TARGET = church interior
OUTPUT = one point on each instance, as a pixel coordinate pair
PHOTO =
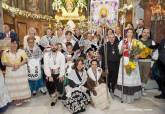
(66, 15)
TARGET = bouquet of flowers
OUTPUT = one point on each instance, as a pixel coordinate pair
(130, 67)
(138, 50)
(145, 53)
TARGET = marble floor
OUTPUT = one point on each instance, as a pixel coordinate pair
(41, 105)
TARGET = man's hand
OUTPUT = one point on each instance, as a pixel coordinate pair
(50, 79)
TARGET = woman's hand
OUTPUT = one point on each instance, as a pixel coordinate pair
(136, 56)
(16, 67)
(124, 46)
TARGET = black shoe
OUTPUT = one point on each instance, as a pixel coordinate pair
(59, 98)
(52, 104)
(160, 97)
(34, 93)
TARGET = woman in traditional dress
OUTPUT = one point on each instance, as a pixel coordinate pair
(97, 87)
(34, 66)
(16, 78)
(4, 96)
(131, 82)
(76, 98)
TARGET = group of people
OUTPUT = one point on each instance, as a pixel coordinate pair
(77, 68)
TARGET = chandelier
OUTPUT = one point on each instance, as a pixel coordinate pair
(158, 12)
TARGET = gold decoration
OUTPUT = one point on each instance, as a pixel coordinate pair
(158, 12)
(17, 11)
(69, 9)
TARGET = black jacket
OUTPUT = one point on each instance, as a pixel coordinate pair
(111, 58)
(13, 36)
(161, 50)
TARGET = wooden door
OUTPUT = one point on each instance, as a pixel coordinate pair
(22, 31)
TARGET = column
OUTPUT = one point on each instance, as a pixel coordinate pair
(1, 16)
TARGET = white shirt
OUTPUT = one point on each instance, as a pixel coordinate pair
(54, 61)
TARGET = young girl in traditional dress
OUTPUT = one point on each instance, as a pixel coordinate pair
(16, 78)
(76, 98)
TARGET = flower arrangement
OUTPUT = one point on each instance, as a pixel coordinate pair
(138, 50)
(130, 67)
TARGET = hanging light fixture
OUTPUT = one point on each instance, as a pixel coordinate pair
(158, 11)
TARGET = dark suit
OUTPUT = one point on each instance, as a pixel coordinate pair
(113, 60)
(13, 36)
(137, 35)
(118, 39)
(161, 65)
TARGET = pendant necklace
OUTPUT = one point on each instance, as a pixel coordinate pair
(113, 50)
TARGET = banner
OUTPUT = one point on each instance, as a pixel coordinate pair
(104, 12)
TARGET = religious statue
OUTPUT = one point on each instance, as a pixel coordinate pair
(104, 14)
(69, 5)
(69, 8)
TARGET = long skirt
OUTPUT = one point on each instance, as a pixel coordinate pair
(103, 98)
(131, 85)
(17, 84)
(77, 102)
(4, 96)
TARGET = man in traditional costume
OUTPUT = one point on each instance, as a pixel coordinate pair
(54, 68)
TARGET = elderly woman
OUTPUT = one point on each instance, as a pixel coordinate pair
(31, 33)
(16, 78)
(76, 98)
(34, 66)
